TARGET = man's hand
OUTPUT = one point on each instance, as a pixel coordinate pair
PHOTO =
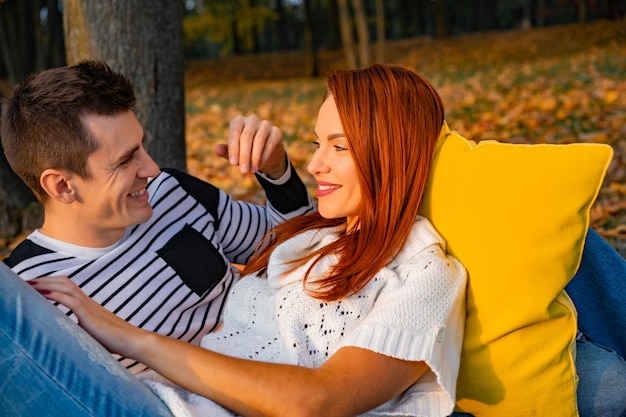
(255, 145)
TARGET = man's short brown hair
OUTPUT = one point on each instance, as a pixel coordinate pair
(42, 121)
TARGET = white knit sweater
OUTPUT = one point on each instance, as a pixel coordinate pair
(413, 310)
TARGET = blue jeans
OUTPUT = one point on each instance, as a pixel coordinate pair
(602, 381)
(51, 367)
(599, 293)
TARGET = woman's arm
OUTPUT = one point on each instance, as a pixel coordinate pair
(351, 382)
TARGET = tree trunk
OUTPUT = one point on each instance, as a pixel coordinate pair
(485, 14)
(345, 23)
(333, 35)
(526, 15)
(282, 40)
(442, 27)
(145, 43)
(363, 33)
(380, 31)
(582, 11)
(56, 54)
(424, 25)
(310, 48)
(17, 37)
(541, 9)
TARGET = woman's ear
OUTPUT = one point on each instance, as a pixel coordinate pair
(56, 183)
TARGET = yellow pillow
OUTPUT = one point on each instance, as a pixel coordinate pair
(516, 216)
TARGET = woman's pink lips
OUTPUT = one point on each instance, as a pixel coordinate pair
(328, 188)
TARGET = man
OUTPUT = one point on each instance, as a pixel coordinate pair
(153, 246)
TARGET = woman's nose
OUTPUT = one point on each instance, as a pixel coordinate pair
(316, 165)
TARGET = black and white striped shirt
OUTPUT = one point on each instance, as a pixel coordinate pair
(170, 274)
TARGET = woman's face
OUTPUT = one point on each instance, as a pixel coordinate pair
(338, 190)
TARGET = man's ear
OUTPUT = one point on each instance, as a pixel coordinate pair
(56, 183)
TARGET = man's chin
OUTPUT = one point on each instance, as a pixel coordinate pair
(142, 217)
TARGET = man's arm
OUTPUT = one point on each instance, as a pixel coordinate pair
(240, 226)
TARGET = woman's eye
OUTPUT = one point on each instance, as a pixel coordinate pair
(316, 145)
(340, 148)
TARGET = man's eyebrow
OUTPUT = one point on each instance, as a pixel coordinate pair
(128, 154)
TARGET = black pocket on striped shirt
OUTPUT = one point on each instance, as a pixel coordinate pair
(196, 261)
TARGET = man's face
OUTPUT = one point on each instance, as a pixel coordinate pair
(115, 195)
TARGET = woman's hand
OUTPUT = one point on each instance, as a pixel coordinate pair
(115, 334)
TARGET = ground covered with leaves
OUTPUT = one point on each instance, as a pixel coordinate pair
(561, 84)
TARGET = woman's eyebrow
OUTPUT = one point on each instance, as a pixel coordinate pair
(336, 135)
(331, 136)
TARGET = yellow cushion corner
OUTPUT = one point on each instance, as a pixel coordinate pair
(516, 216)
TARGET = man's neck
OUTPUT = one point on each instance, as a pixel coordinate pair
(74, 234)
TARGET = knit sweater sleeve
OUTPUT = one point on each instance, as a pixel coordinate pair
(419, 316)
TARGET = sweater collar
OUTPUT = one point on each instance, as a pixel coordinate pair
(422, 235)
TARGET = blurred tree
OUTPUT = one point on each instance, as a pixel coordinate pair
(31, 36)
(224, 27)
(347, 38)
(310, 46)
(541, 10)
(442, 25)
(281, 27)
(17, 17)
(582, 11)
(357, 55)
(233, 24)
(332, 31)
(55, 40)
(145, 43)
(363, 35)
(485, 14)
(380, 31)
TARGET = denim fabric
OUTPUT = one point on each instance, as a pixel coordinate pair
(51, 367)
(602, 381)
(599, 294)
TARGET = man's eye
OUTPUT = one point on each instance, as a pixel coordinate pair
(127, 160)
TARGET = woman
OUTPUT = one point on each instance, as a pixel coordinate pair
(352, 309)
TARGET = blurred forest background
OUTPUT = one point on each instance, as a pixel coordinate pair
(518, 71)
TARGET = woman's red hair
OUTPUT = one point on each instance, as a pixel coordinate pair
(391, 117)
